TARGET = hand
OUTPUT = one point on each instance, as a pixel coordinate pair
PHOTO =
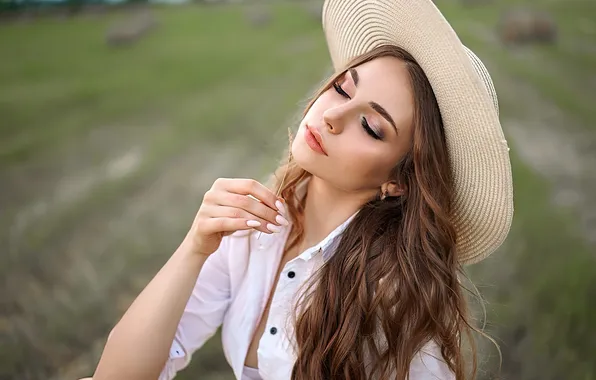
(232, 205)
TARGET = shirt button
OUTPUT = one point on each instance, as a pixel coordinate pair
(273, 330)
(291, 274)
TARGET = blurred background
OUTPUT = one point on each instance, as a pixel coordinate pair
(116, 117)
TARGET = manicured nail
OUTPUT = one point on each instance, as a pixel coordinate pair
(253, 223)
(281, 220)
(280, 207)
(273, 227)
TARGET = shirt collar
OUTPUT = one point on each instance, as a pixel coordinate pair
(328, 244)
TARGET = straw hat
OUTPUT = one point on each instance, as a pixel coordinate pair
(483, 202)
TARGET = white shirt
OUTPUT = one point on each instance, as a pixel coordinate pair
(232, 290)
(249, 373)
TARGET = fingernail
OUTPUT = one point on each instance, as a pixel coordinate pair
(273, 227)
(281, 220)
(253, 223)
(280, 206)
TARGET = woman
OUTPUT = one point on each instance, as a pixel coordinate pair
(399, 175)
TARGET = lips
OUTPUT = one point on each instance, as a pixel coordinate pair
(317, 144)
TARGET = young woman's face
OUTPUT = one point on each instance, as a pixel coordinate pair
(364, 124)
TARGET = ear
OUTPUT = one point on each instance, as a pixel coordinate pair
(393, 189)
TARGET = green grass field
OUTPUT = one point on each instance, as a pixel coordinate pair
(105, 153)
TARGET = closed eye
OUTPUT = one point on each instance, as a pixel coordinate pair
(369, 130)
(340, 90)
(363, 120)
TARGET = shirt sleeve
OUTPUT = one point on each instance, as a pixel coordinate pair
(204, 311)
(428, 364)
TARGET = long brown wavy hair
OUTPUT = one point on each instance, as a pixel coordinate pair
(392, 284)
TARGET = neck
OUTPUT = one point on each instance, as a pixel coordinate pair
(326, 208)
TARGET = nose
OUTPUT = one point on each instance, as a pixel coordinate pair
(335, 118)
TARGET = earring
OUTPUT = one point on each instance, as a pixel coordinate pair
(384, 195)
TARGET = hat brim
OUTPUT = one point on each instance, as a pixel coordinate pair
(478, 151)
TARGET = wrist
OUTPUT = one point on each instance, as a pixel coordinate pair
(191, 247)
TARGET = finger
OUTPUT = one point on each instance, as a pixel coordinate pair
(225, 225)
(253, 188)
(217, 211)
(251, 206)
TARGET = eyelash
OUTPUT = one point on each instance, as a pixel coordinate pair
(363, 120)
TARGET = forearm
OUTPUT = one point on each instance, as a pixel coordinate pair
(139, 344)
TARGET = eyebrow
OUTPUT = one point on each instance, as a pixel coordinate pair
(375, 106)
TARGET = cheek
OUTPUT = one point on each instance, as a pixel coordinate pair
(323, 102)
(366, 163)
(373, 164)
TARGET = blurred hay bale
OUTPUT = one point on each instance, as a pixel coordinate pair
(519, 26)
(545, 28)
(258, 16)
(131, 29)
